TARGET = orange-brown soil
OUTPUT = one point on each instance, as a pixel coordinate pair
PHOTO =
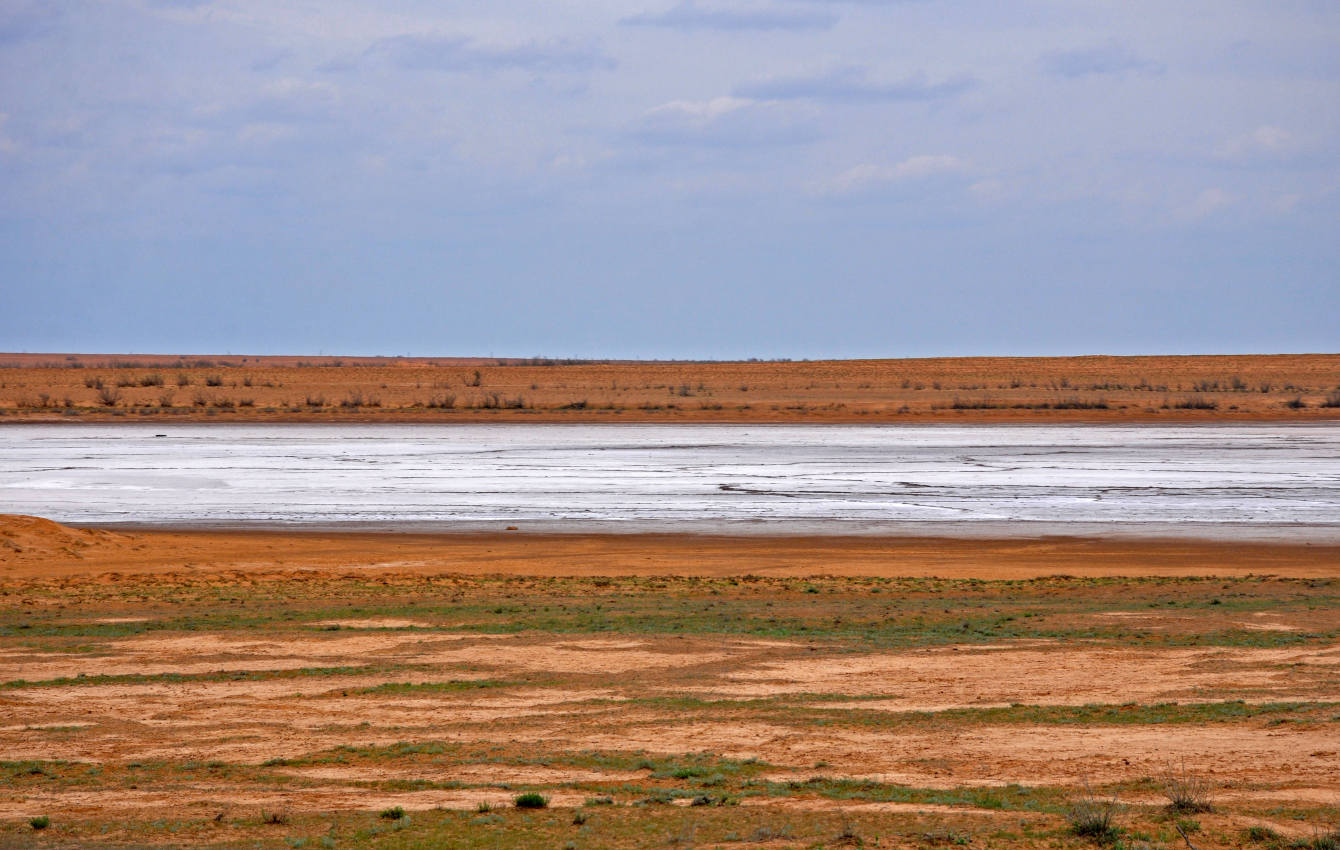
(898, 684)
(44, 387)
(32, 547)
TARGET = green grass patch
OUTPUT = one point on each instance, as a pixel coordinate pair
(800, 710)
(452, 686)
(213, 676)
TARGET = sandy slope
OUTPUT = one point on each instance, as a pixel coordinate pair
(37, 548)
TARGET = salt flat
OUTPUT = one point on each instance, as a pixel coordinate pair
(1264, 481)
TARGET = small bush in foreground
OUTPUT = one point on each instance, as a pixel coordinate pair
(273, 818)
(40, 822)
(531, 800)
(1187, 792)
(393, 813)
(1194, 402)
(1091, 817)
(1262, 834)
(1324, 841)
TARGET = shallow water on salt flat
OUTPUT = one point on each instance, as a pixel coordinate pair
(1251, 481)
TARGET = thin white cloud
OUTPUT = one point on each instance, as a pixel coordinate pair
(1207, 203)
(689, 15)
(700, 110)
(724, 122)
(1264, 141)
(868, 176)
(461, 54)
(851, 84)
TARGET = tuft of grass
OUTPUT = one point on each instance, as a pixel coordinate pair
(848, 833)
(393, 813)
(1262, 835)
(1195, 402)
(1322, 841)
(450, 686)
(1093, 817)
(1186, 791)
(483, 807)
(531, 800)
(274, 818)
(40, 822)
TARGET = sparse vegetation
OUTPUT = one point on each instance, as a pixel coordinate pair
(1187, 792)
(1194, 402)
(640, 798)
(1093, 817)
(563, 390)
(1328, 840)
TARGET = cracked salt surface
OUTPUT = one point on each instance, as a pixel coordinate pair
(1251, 481)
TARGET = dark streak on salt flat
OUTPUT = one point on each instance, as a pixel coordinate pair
(1249, 481)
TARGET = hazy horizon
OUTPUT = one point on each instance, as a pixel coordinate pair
(602, 359)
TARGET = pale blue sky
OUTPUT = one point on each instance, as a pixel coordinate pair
(670, 178)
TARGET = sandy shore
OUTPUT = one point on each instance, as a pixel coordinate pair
(33, 548)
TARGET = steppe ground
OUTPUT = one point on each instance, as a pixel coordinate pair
(158, 388)
(254, 690)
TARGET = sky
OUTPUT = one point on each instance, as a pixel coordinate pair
(670, 178)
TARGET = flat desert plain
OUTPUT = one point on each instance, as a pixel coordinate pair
(80, 387)
(402, 691)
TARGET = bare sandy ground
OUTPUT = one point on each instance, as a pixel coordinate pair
(81, 387)
(256, 721)
(37, 548)
(214, 673)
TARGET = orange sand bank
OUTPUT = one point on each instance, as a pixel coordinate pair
(36, 548)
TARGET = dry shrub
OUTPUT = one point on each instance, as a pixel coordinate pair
(1093, 817)
(1186, 791)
